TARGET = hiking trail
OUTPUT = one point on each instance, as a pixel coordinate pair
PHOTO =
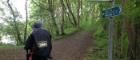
(72, 47)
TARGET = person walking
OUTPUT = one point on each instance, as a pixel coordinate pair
(38, 43)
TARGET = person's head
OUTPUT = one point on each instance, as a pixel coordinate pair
(37, 25)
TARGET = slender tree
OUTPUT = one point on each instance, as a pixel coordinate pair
(78, 11)
(26, 9)
(63, 12)
(70, 11)
(51, 10)
(15, 24)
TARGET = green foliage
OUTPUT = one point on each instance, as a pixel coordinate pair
(101, 43)
(125, 45)
(9, 46)
(70, 30)
(87, 25)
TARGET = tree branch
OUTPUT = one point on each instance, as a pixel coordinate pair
(39, 5)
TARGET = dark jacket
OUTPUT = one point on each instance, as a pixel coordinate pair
(37, 37)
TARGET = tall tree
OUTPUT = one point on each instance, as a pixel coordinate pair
(70, 11)
(63, 14)
(78, 11)
(51, 10)
(131, 21)
(26, 9)
(15, 24)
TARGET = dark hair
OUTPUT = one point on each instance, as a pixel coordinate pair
(37, 25)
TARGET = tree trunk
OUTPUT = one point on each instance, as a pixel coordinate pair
(64, 7)
(69, 17)
(15, 24)
(62, 24)
(25, 31)
(78, 11)
(137, 42)
(51, 10)
(131, 40)
(70, 11)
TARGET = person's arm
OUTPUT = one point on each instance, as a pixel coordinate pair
(50, 41)
(29, 43)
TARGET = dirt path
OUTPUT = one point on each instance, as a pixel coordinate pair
(73, 47)
(70, 48)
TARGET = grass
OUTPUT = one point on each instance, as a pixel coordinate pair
(68, 32)
(100, 50)
(10, 46)
(88, 25)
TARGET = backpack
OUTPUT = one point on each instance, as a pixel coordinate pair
(42, 43)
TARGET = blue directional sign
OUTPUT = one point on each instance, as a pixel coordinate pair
(115, 11)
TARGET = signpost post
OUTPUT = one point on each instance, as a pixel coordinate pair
(111, 29)
(109, 13)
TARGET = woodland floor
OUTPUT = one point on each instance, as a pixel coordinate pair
(72, 47)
